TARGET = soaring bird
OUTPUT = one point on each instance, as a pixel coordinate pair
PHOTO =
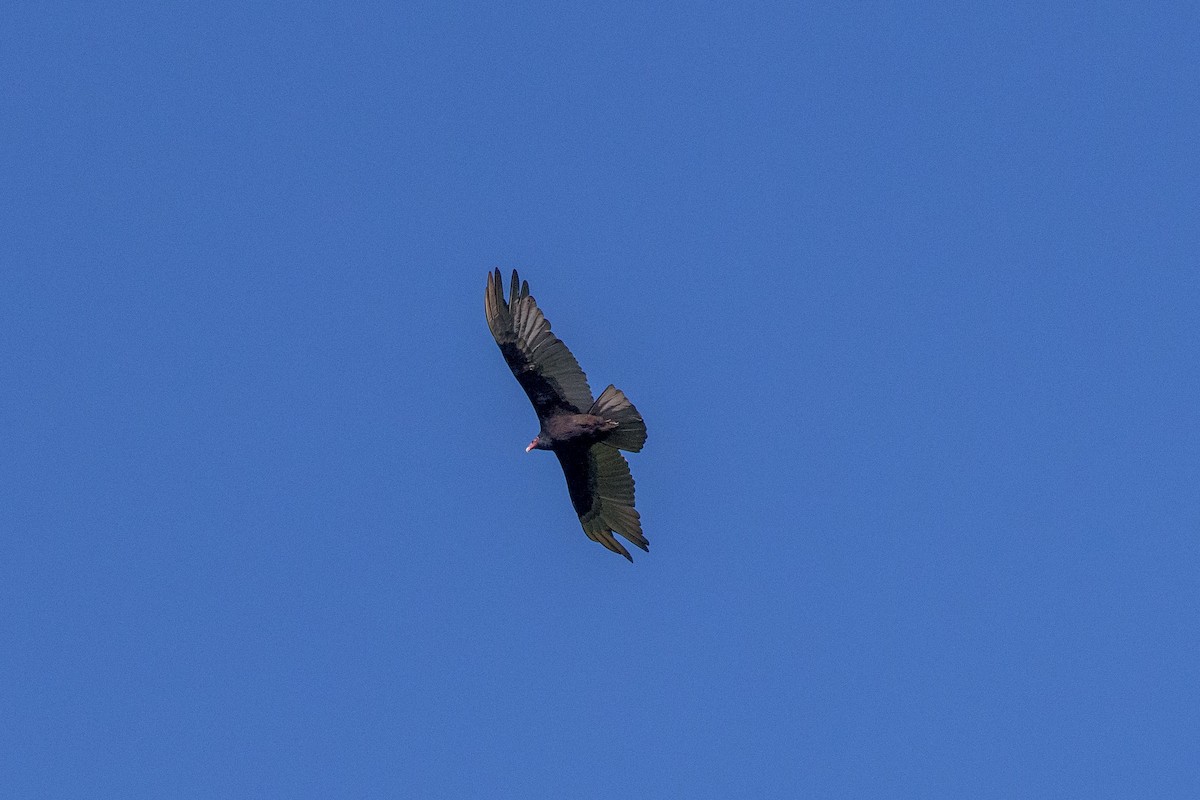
(587, 435)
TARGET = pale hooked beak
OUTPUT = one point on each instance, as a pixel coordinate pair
(532, 444)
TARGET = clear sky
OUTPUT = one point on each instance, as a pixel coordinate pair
(908, 294)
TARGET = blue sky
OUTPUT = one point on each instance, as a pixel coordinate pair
(908, 296)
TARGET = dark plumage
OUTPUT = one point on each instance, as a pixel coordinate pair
(586, 435)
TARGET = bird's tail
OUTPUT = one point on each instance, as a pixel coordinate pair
(630, 433)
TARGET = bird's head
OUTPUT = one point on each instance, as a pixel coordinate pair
(537, 444)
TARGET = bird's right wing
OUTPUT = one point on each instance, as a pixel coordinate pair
(601, 489)
(542, 364)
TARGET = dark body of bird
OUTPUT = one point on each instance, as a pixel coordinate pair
(585, 434)
(562, 430)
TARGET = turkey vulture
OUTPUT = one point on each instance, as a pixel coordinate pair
(586, 435)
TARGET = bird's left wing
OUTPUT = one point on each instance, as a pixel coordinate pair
(601, 489)
(542, 364)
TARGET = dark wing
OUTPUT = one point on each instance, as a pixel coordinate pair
(602, 492)
(544, 366)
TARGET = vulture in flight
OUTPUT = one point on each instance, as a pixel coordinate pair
(587, 435)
